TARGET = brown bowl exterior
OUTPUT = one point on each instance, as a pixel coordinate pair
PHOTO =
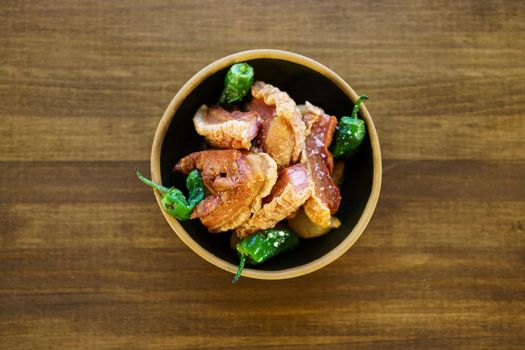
(304, 79)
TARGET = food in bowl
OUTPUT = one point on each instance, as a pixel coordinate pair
(267, 173)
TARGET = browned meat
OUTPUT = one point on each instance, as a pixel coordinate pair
(266, 114)
(282, 134)
(291, 190)
(321, 129)
(305, 228)
(325, 198)
(218, 168)
(237, 180)
(223, 129)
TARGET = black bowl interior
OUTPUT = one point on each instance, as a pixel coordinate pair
(302, 84)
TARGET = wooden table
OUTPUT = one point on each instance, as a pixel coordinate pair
(88, 262)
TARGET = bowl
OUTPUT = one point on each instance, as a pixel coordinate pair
(304, 80)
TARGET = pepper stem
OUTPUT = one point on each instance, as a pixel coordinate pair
(150, 183)
(239, 269)
(357, 104)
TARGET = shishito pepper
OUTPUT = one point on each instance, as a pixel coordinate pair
(264, 245)
(173, 200)
(350, 133)
(237, 83)
(195, 188)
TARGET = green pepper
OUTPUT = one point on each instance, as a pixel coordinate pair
(195, 188)
(263, 245)
(237, 83)
(173, 200)
(350, 133)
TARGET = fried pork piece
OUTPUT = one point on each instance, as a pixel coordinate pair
(237, 181)
(325, 198)
(292, 189)
(305, 228)
(282, 134)
(223, 129)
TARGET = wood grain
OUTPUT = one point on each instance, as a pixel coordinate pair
(88, 262)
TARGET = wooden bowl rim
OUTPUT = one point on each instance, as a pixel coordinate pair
(304, 61)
